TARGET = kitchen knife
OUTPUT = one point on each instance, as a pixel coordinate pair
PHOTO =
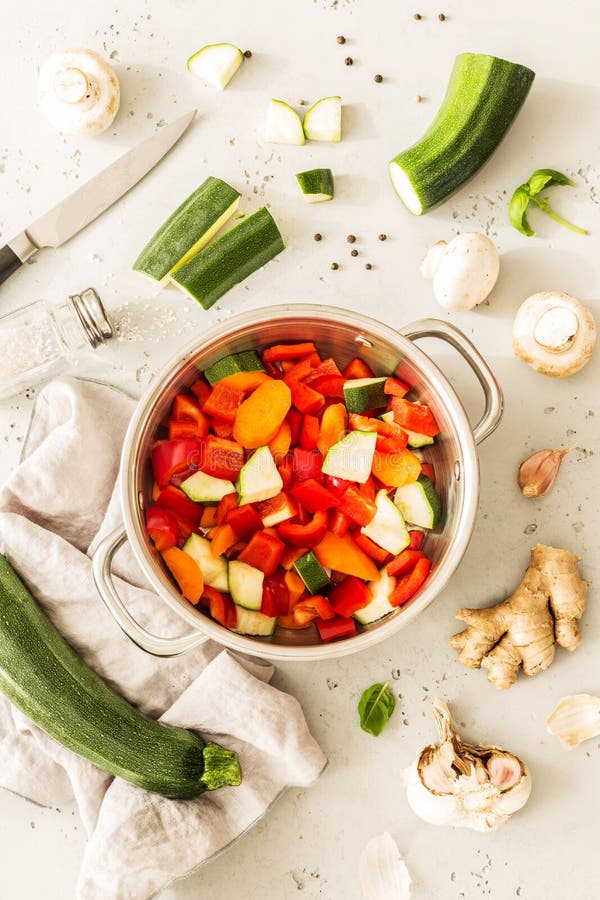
(91, 199)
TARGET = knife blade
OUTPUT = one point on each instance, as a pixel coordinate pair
(90, 200)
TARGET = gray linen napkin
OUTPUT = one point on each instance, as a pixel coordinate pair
(53, 510)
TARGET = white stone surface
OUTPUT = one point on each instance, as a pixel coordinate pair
(308, 846)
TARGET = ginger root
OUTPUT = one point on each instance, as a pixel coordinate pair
(523, 629)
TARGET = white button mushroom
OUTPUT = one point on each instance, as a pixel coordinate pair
(78, 92)
(464, 271)
(554, 333)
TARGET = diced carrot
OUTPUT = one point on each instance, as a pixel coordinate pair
(295, 586)
(186, 572)
(288, 351)
(259, 418)
(343, 555)
(209, 517)
(280, 444)
(222, 538)
(245, 381)
(333, 426)
(357, 368)
(396, 469)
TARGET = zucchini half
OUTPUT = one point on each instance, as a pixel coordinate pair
(483, 97)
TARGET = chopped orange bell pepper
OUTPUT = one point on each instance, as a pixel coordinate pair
(222, 538)
(334, 423)
(343, 555)
(186, 572)
(396, 469)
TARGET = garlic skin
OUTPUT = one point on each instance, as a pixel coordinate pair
(538, 472)
(463, 785)
(463, 271)
(382, 871)
(78, 92)
(576, 719)
(554, 333)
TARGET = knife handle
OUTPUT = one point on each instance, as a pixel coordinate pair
(9, 262)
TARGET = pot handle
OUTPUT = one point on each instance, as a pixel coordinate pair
(103, 577)
(494, 400)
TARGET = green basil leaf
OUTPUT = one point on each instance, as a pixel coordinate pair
(542, 178)
(517, 210)
(375, 708)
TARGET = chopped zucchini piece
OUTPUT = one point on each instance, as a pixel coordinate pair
(203, 488)
(213, 568)
(419, 503)
(216, 63)
(387, 527)
(259, 478)
(316, 184)
(245, 361)
(352, 456)
(251, 621)
(245, 584)
(362, 394)
(312, 573)
(379, 604)
(283, 125)
(323, 121)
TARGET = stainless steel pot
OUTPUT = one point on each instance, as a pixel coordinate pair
(341, 334)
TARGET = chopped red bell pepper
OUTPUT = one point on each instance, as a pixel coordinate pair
(294, 420)
(395, 387)
(286, 471)
(162, 526)
(305, 399)
(332, 629)
(299, 370)
(304, 535)
(201, 390)
(404, 562)
(414, 417)
(326, 367)
(278, 509)
(179, 430)
(357, 368)
(391, 444)
(307, 464)
(427, 469)
(309, 433)
(226, 504)
(180, 504)
(185, 409)
(275, 597)
(244, 520)
(313, 496)
(221, 458)
(288, 351)
(329, 385)
(311, 608)
(264, 551)
(223, 402)
(185, 529)
(222, 429)
(349, 595)
(377, 553)
(416, 539)
(338, 522)
(357, 507)
(408, 585)
(337, 485)
(169, 457)
(222, 608)
(364, 423)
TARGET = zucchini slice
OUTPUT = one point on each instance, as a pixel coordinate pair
(316, 184)
(245, 361)
(230, 259)
(283, 125)
(44, 677)
(387, 527)
(213, 568)
(312, 573)
(259, 478)
(250, 621)
(245, 585)
(352, 456)
(362, 394)
(216, 63)
(419, 503)
(483, 97)
(379, 604)
(188, 229)
(323, 121)
(203, 488)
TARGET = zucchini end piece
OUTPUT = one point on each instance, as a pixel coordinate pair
(405, 189)
(221, 767)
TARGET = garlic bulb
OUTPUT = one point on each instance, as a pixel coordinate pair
(538, 472)
(463, 271)
(463, 785)
(383, 873)
(576, 719)
(78, 92)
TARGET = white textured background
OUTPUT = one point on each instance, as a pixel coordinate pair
(308, 845)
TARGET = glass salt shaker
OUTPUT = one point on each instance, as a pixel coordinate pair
(38, 340)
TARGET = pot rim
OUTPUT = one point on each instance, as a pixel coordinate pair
(469, 473)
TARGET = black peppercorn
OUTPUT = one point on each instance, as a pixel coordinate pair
(334, 265)
(351, 238)
(368, 266)
(317, 236)
(341, 39)
(383, 237)
(247, 53)
(418, 17)
(442, 17)
(354, 253)
(348, 60)
(378, 79)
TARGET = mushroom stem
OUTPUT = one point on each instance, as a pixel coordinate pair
(71, 85)
(556, 329)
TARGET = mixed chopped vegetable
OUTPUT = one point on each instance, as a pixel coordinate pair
(289, 492)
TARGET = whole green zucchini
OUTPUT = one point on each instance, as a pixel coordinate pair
(483, 97)
(42, 675)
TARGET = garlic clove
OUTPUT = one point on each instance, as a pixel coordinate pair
(382, 871)
(538, 472)
(505, 770)
(576, 719)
